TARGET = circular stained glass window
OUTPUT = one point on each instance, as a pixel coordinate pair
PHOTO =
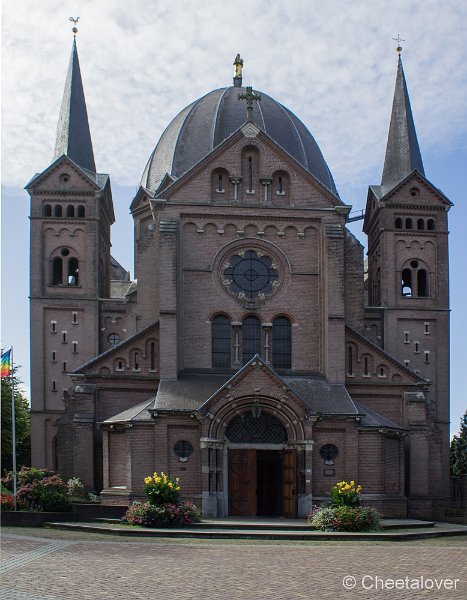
(183, 449)
(328, 453)
(251, 275)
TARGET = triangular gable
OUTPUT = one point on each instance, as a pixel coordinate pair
(250, 380)
(380, 356)
(106, 358)
(140, 199)
(94, 181)
(237, 136)
(389, 195)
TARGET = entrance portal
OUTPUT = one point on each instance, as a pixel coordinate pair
(262, 482)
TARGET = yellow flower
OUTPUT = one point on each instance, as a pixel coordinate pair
(147, 479)
(352, 483)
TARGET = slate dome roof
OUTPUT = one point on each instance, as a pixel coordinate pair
(208, 121)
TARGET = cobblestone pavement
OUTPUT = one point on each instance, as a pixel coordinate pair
(55, 567)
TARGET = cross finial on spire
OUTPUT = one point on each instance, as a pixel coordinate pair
(250, 97)
(75, 29)
(398, 39)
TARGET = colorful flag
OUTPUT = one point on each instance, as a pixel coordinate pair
(6, 364)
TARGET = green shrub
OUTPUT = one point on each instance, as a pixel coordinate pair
(162, 489)
(322, 518)
(167, 515)
(45, 494)
(347, 494)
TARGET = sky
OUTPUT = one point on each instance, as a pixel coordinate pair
(333, 64)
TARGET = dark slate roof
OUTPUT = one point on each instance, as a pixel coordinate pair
(402, 151)
(73, 135)
(207, 122)
(322, 397)
(119, 273)
(189, 392)
(373, 419)
(138, 413)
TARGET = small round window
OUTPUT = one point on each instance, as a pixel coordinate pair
(328, 453)
(183, 450)
(114, 339)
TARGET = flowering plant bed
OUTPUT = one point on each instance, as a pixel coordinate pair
(344, 512)
(163, 507)
(165, 515)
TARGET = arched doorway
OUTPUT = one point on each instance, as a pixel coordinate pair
(262, 471)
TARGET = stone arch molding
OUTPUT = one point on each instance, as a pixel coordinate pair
(277, 407)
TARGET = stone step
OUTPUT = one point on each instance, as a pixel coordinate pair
(440, 530)
(282, 525)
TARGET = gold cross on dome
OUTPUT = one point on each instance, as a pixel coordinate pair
(250, 97)
(398, 39)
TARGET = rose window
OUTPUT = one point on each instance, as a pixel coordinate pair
(251, 275)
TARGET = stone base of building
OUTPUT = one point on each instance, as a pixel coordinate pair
(427, 508)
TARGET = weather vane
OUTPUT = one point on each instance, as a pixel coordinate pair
(398, 39)
(75, 29)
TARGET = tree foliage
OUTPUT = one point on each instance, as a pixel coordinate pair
(459, 450)
(23, 425)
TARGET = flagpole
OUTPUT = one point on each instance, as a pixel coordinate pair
(13, 427)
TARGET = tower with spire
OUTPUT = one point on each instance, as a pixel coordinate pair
(408, 294)
(71, 215)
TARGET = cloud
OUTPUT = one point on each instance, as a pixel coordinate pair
(332, 64)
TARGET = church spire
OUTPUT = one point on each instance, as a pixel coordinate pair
(73, 135)
(402, 151)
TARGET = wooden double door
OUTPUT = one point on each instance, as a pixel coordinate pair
(262, 482)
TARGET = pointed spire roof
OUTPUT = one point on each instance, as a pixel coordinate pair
(73, 135)
(402, 151)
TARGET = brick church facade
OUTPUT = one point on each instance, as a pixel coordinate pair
(254, 356)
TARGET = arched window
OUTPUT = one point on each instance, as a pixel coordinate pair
(152, 356)
(219, 183)
(221, 342)
(281, 343)
(250, 168)
(73, 271)
(58, 210)
(431, 224)
(406, 288)
(251, 338)
(350, 359)
(80, 211)
(398, 223)
(422, 283)
(70, 210)
(280, 183)
(47, 210)
(57, 271)
(420, 224)
(409, 223)
(255, 427)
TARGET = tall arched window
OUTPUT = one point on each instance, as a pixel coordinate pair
(70, 210)
(407, 283)
(47, 210)
(58, 210)
(420, 224)
(409, 223)
(398, 223)
(73, 271)
(57, 271)
(80, 211)
(221, 342)
(251, 338)
(281, 343)
(431, 224)
(422, 283)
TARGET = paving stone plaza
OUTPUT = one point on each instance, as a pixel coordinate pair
(52, 565)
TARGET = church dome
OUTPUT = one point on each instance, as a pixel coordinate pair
(208, 121)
